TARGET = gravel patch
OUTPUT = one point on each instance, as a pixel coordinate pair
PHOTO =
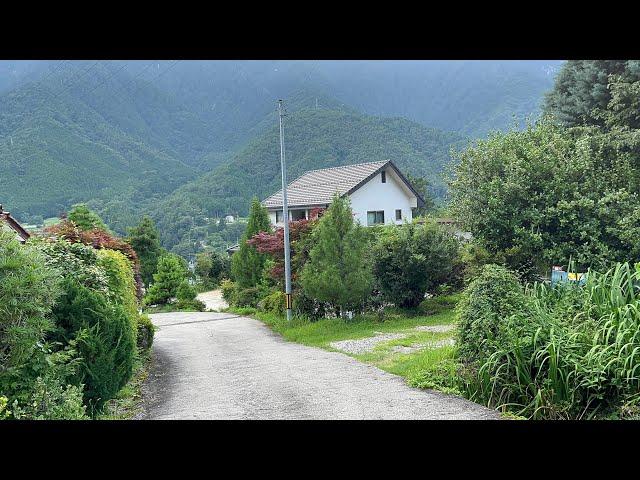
(422, 346)
(363, 345)
(435, 328)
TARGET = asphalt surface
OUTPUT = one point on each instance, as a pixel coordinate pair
(222, 366)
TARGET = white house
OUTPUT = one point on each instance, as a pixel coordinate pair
(379, 193)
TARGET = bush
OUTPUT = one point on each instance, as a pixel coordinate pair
(145, 333)
(483, 312)
(194, 305)
(121, 281)
(105, 337)
(413, 260)
(574, 356)
(185, 292)
(229, 290)
(33, 377)
(171, 273)
(273, 303)
(247, 297)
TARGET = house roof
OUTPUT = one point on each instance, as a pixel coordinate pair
(317, 187)
(13, 224)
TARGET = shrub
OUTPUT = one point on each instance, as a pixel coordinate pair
(171, 273)
(229, 290)
(185, 292)
(212, 267)
(575, 355)
(413, 260)
(121, 282)
(485, 307)
(273, 303)
(190, 305)
(145, 333)
(105, 339)
(247, 297)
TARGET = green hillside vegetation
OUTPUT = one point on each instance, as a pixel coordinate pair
(314, 139)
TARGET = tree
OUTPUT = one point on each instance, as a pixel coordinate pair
(171, 273)
(546, 195)
(413, 260)
(145, 240)
(85, 218)
(247, 263)
(421, 184)
(337, 271)
(601, 93)
(212, 267)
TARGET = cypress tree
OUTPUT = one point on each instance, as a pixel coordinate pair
(145, 240)
(247, 264)
(338, 272)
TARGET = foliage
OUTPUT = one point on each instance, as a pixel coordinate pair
(247, 297)
(145, 241)
(574, 355)
(33, 377)
(212, 267)
(105, 338)
(247, 263)
(603, 93)
(85, 219)
(484, 310)
(545, 195)
(121, 284)
(75, 260)
(411, 260)
(228, 291)
(146, 330)
(338, 271)
(421, 185)
(98, 239)
(171, 273)
(185, 291)
(273, 303)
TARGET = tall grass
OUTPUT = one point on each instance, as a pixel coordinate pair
(573, 353)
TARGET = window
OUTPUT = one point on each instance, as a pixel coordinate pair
(279, 216)
(296, 215)
(384, 177)
(398, 214)
(375, 218)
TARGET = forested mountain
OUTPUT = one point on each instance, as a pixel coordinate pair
(314, 139)
(123, 135)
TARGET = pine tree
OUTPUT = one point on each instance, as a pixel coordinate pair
(338, 272)
(145, 240)
(171, 273)
(247, 264)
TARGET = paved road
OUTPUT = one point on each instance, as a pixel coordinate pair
(221, 366)
(213, 300)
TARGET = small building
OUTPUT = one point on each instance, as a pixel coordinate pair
(229, 218)
(379, 194)
(7, 222)
(233, 249)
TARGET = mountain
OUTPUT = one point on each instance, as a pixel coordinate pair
(123, 135)
(315, 138)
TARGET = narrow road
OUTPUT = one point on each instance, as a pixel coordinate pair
(222, 366)
(213, 300)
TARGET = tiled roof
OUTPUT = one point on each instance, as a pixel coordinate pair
(317, 187)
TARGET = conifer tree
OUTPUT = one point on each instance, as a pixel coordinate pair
(338, 272)
(247, 264)
(85, 218)
(171, 273)
(145, 240)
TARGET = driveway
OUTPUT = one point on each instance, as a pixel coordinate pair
(222, 366)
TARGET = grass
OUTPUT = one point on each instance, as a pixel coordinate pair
(128, 403)
(407, 365)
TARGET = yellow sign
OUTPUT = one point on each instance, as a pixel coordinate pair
(288, 303)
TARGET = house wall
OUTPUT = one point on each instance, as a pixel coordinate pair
(389, 196)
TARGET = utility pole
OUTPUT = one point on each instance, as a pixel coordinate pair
(285, 218)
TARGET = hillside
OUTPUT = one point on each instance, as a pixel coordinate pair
(314, 139)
